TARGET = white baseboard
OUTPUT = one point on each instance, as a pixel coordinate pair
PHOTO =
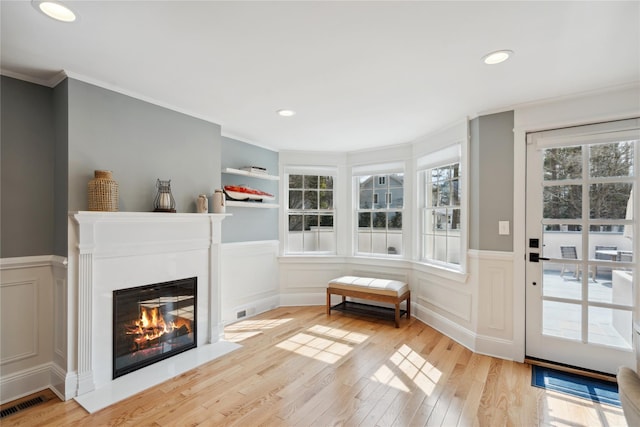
(23, 383)
(495, 347)
(63, 384)
(443, 325)
(288, 300)
(482, 344)
(251, 309)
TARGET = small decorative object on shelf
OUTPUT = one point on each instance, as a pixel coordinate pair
(244, 193)
(164, 201)
(103, 192)
(255, 169)
(218, 201)
(202, 204)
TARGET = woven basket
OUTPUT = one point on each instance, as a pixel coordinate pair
(103, 192)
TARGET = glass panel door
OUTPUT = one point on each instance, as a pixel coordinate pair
(579, 290)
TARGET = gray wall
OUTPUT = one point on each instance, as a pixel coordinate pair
(27, 169)
(139, 142)
(53, 139)
(491, 172)
(61, 167)
(249, 224)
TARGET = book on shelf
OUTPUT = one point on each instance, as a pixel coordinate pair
(255, 169)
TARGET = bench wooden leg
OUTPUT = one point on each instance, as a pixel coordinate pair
(397, 315)
(328, 302)
(409, 307)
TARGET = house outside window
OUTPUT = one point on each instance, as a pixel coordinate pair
(310, 214)
(379, 208)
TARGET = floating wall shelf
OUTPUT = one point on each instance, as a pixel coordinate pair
(251, 174)
(238, 204)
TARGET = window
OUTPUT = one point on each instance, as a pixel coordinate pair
(442, 206)
(310, 214)
(379, 213)
(441, 214)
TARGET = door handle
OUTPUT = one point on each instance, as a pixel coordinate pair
(535, 257)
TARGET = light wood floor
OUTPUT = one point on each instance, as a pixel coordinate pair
(299, 367)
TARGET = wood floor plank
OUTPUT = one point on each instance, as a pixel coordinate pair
(442, 361)
(299, 367)
(477, 372)
(447, 398)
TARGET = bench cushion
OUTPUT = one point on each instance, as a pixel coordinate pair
(371, 285)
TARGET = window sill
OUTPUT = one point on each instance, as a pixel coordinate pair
(310, 258)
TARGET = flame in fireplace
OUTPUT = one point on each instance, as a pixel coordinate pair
(156, 320)
(152, 325)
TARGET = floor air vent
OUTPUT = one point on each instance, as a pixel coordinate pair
(22, 406)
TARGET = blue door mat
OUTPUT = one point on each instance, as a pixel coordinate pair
(594, 389)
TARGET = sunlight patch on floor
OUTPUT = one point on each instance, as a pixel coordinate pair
(341, 334)
(562, 413)
(322, 343)
(415, 367)
(385, 376)
(244, 329)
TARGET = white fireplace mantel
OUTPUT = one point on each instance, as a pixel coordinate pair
(116, 250)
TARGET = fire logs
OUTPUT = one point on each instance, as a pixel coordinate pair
(153, 336)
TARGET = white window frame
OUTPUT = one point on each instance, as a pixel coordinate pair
(379, 171)
(310, 171)
(452, 154)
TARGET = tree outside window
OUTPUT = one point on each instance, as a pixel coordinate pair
(609, 166)
(441, 215)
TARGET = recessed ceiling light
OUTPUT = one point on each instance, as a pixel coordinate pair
(497, 57)
(286, 113)
(55, 10)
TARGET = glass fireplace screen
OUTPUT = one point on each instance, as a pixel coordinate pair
(152, 323)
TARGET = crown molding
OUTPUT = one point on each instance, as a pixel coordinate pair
(51, 82)
(570, 96)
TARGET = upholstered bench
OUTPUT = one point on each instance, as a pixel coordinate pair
(368, 288)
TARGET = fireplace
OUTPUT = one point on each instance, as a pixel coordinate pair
(111, 251)
(152, 323)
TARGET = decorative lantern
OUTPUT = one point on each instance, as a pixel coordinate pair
(164, 201)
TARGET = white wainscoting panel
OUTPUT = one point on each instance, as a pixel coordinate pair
(494, 274)
(303, 280)
(311, 277)
(250, 283)
(19, 320)
(26, 325)
(449, 299)
(476, 308)
(497, 293)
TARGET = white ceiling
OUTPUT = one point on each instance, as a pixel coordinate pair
(359, 74)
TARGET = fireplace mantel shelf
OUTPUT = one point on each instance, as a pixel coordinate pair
(95, 216)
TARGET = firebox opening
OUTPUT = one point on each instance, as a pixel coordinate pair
(152, 323)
